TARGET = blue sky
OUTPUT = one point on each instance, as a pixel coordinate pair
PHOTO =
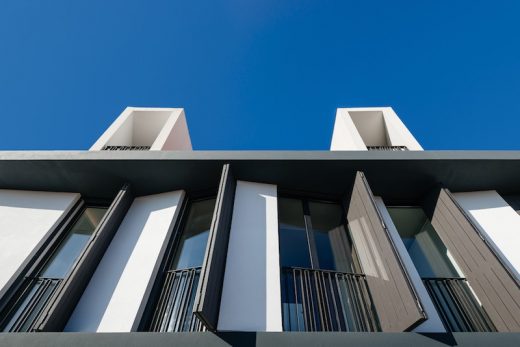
(260, 74)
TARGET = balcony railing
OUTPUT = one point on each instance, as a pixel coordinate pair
(318, 300)
(387, 148)
(457, 305)
(34, 295)
(126, 148)
(174, 308)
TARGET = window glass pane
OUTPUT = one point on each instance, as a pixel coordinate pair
(294, 249)
(332, 242)
(71, 247)
(192, 245)
(429, 254)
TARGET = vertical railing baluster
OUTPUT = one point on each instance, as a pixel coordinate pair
(330, 301)
(173, 310)
(457, 305)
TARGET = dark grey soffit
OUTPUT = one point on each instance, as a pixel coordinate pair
(259, 339)
(400, 177)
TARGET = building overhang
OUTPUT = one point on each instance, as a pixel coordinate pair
(400, 177)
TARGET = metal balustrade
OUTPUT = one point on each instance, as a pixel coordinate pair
(34, 295)
(387, 148)
(319, 300)
(126, 148)
(174, 308)
(457, 305)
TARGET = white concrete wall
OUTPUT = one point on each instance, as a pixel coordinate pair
(251, 299)
(159, 128)
(346, 136)
(175, 136)
(117, 293)
(398, 133)
(498, 221)
(434, 322)
(26, 218)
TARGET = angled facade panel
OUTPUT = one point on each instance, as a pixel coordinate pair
(207, 300)
(394, 298)
(496, 288)
(71, 289)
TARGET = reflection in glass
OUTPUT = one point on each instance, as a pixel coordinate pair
(294, 249)
(192, 245)
(332, 242)
(71, 247)
(428, 252)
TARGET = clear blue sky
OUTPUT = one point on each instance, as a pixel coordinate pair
(260, 74)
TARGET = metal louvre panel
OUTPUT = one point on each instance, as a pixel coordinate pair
(396, 303)
(207, 300)
(497, 290)
(56, 314)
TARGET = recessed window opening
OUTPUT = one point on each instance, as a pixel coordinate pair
(318, 261)
(451, 293)
(173, 311)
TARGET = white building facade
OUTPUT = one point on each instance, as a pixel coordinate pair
(142, 235)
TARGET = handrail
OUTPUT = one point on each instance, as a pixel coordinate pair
(34, 295)
(174, 310)
(459, 309)
(325, 300)
(126, 148)
(387, 148)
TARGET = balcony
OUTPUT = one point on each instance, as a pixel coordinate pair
(126, 148)
(34, 294)
(387, 148)
(457, 306)
(318, 300)
(174, 311)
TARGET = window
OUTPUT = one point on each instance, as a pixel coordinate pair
(322, 286)
(173, 311)
(456, 303)
(36, 290)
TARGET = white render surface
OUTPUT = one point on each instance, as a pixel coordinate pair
(434, 322)
(159, 128)
(357, 128)
(498, 221)
(251, 295)
(114, 299)
(26, 217)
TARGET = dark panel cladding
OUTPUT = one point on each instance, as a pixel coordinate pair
(401, 177)
(394, 298)
(63, 303)
(207, 301)
(495, 287)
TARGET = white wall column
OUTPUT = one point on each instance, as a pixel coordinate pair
(498, 221)
(251, 291)
(434, 322)
(116, 296)
(26, 218)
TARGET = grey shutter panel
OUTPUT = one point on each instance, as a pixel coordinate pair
(395, 301)
(496, 288)
(57, 313)
(207, 300)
